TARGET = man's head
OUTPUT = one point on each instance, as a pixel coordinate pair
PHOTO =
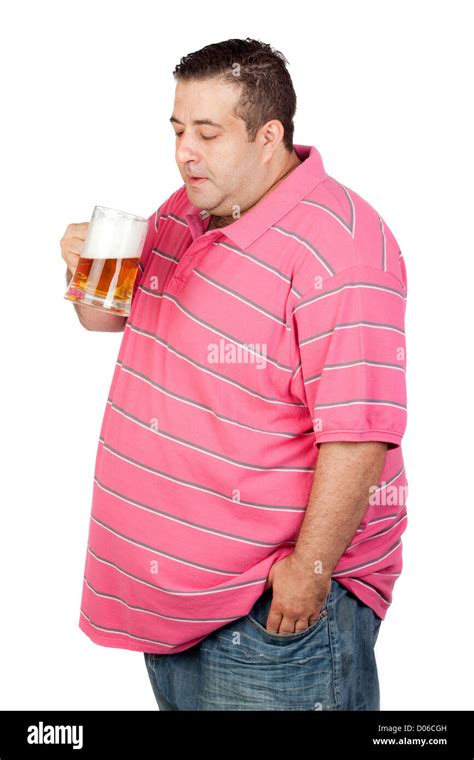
(242, 87)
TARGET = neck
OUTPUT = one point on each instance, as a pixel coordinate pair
(222, 221)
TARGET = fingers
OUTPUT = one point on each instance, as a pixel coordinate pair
(72, 260)
(75, 244)
(286, 624)
(78, 231)
(274, 620)
(72, 243)
(278, 622)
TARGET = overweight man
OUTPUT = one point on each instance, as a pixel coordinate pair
(249, 491)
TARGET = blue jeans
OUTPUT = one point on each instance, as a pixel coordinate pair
(241, 666)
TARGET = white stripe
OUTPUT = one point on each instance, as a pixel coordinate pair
(349, 196)
(164, 256)
(307, 341)
(368, 564)
(217, 377)
(383, 532)
(213, 455)
(226, 337)
(369, 363)
(379, 520)
(239, 298)
(194, 487)
(353, 364)
(302, 242)
(124, 633)
(209, 411)
(173, 218)
(150, 549)
(173, 518)
(207, 592)
(380, 572)
(344, 226)
(358, 403)
(370, 588)
(141, 611)
(262, 264)
(348, 285)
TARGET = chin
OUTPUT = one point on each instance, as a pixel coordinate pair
(195, 200)
(199, 198)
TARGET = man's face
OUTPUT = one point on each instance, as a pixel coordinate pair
(233, 168)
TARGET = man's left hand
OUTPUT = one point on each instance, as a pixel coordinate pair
(298, 595)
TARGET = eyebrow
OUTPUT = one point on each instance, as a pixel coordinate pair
(198, 122)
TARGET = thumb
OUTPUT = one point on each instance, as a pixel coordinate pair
(268, 583)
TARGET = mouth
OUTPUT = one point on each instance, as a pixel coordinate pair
(195, 181)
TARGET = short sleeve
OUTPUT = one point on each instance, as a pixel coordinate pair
(349, 356)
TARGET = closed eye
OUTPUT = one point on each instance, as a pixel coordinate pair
(178, 134)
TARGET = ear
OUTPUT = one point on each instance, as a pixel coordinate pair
(271, 135)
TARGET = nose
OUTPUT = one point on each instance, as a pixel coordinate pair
(186, 150)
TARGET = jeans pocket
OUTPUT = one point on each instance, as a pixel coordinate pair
(259, 613)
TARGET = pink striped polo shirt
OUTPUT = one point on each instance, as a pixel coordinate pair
(246, 347)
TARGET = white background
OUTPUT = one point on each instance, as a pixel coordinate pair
(384, 92)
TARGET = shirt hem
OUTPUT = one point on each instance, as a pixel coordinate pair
(366, 597)
(361, 435)
(115, 642)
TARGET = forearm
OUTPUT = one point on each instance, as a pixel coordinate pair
(338, 501)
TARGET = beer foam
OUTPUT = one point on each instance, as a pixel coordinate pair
(114, 236)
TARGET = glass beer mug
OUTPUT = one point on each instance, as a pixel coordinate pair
(108, 264)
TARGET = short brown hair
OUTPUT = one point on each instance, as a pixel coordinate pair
(267, 90)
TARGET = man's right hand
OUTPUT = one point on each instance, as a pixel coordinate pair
(72, 242)
(91, 318)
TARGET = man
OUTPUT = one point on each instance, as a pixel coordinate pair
(249, 494)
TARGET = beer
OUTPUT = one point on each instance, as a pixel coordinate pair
(108, 264)
(107, 283)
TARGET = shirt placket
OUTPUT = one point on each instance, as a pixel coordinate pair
(191, 258)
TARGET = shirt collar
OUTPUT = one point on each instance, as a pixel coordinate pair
(272, 207)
